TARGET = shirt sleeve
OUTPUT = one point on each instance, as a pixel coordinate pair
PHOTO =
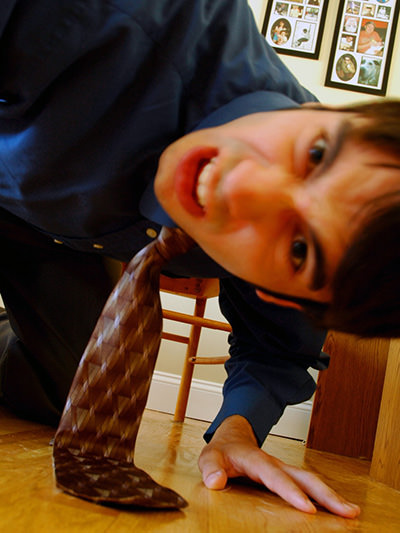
(220, 56)
(6, 7)
(271, 348)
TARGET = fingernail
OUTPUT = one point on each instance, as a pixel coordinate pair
(306, 505)
(214, 475)
(213, 478)
(352, 507)
(311, 507)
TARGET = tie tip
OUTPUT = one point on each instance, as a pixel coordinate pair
(111, 482)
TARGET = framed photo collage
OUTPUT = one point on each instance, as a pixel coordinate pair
(362, 43)
(294, 27)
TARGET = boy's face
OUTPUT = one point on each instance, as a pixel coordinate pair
(273, 197)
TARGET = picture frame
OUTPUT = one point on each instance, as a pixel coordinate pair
(295, 27)
(362, 46)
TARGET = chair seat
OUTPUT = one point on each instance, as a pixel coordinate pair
(190, 287)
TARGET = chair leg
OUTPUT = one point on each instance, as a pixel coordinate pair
(188, 366)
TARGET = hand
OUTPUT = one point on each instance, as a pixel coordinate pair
(233, 452)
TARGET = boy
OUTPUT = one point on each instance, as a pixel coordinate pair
(92, 92)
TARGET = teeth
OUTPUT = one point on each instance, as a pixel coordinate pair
(203, 181)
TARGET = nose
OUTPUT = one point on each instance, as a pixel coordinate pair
(253, 190)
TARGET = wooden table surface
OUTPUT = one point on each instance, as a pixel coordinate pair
(30, 502)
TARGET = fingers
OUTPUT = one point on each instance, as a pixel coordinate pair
(216, 468)
(295, 485)
(233, 452)
(267, 470)
(321, 493)
(292, 484)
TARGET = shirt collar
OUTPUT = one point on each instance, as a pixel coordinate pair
(151, 209)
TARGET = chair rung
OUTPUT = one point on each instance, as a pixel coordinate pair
(174, 337)
(196, 320)
(208, 360)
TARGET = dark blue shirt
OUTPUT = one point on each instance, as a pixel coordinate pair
(91, 92)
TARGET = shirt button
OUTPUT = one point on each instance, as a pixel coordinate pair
(150, 232)
(7, 99)
(98, 246)
(57, 241)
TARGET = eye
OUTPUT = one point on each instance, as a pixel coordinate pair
(298, 253)
(316, 152)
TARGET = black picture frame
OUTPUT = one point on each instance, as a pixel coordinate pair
(295, 27)
(362, 46)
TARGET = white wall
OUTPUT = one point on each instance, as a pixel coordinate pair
(212, 343)
(310, 73)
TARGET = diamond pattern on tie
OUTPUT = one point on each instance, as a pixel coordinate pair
(94, 444)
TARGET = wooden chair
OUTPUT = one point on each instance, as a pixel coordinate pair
(357, 404)
(200, 289)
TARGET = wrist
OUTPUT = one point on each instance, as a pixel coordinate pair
(235, 427)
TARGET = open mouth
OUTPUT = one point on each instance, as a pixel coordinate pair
(203, 180)
(193, 176)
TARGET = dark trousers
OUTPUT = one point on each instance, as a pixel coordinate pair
(53, 296)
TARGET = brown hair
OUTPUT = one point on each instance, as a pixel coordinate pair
(366, 285)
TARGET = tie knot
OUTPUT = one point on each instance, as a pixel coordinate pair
(172, 242)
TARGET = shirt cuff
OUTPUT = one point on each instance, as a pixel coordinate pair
(261, 413)
(245, 401)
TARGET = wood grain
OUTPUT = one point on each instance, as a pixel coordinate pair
(347, 401)
(30, 502)
(385, 465)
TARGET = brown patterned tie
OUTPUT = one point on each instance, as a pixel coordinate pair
(94, 444)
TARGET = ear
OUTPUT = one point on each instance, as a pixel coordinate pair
(278, 301)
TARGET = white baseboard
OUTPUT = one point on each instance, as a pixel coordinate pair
(205, 400)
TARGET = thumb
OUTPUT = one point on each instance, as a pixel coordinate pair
(213, 471)
(215, 480)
